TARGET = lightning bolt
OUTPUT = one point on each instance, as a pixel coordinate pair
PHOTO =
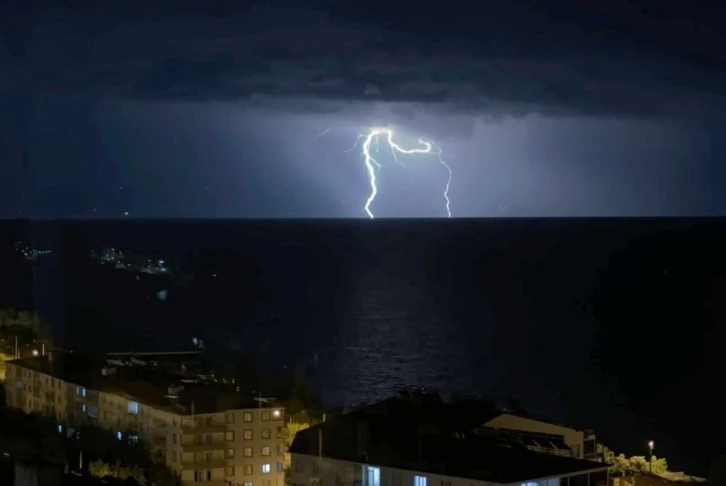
(321, 134)
(372, 165)
(439, 153)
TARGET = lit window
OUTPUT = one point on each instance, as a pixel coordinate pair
(248, 434)
(84, 408)
(248, 451)
(371, 476)
(119, 435)
(266, 451)
(133, 408)
(60, 429)
(230, 453)
(229, 435)
(265, 469)
(266, 433)
(419, 481)
(247, 417)
(248, 483)
(265, 416)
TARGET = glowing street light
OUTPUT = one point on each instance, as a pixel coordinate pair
(651, 445)
(35, 352)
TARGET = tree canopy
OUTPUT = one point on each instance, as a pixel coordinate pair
(27, 327)
(290, 430)
(123, 459)
(101, 469)
(635, 465)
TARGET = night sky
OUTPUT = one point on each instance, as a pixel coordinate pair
(559, 108)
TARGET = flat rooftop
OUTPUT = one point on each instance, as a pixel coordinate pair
(144, 384)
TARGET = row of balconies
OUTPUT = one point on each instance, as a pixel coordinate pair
(209, 464)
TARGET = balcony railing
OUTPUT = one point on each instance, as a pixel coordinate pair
(210, 464)
(217, 445)
(203, 428)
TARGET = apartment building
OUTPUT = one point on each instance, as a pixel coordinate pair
(471, 414)
(425, 442)
(203, 431)
(540, 435)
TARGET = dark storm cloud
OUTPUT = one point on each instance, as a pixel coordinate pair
(317, 60)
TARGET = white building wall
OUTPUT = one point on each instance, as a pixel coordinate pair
(305, 471)
(575, 439)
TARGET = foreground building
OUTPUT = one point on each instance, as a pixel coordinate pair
(422, 441)
(539, 435)
(202, 430)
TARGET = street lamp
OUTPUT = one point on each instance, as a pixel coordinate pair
(651, 444)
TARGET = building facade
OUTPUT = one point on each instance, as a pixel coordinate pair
(574, 439)
(422, 440)
(309, 469)
(231, 446)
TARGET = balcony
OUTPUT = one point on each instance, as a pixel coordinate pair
(157, 440)
(204, 428)
(210, 464)
(217, 445)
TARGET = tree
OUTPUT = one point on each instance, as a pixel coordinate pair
(131, 472)
(636, 465)
(290, 430)
(99, 469)
(619, 465)
(130, 461)
(659, 465)
(27, 327)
